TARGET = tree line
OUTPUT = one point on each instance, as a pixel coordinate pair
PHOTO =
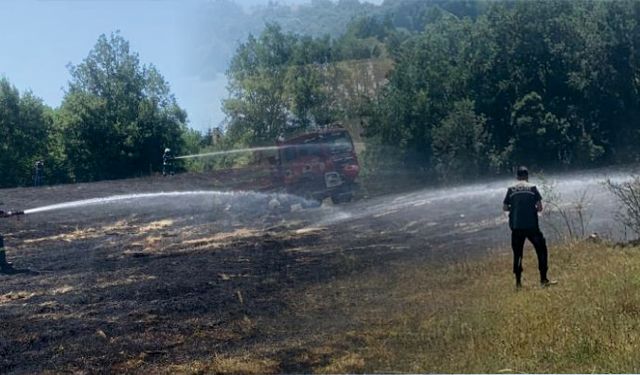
(116, 117)
(552, 84)
(451, 91)
(475, 92)
(217, 35)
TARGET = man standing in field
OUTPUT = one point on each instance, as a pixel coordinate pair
(523, 202)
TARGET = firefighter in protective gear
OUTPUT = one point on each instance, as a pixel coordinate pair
(5, 267)
(39, 173)
(167, 162)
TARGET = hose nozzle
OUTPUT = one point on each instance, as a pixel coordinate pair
(4, 214)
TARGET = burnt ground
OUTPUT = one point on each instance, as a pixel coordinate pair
(141, 285)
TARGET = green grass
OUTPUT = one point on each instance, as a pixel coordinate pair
(463, 317)
(468, 317)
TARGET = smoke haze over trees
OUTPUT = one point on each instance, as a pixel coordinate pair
(556, 84)
(547, 84)
(449, 90)
(218, 37)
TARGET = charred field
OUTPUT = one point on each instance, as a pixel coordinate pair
(222, 282)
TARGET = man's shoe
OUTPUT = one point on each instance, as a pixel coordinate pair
(518, 282)
(545, 283)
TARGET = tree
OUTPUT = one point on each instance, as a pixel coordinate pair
(277, 85)
(257, 108)
(459, 143)
(627, 194)
(24, 126)
(556, 82)
(430, 75)
(118, 115)
(552, 84)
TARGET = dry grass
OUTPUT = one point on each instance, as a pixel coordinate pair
(409, 316)
(120, 227)
(226, 365)
(468, 317)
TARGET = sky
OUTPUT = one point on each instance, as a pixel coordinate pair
(38, 39)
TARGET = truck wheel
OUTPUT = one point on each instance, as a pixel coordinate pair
(342, 198)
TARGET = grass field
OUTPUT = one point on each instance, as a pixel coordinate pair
(465, 317)
(400, 283)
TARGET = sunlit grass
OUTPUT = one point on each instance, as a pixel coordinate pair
(119, 227)
(412, 316)
(468, 317)
(227, 365)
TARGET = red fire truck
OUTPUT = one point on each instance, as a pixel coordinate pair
(317, 165)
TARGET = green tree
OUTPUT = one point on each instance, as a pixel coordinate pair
(459, 143)
(430, 75)
(557, 83)
(118, 115)
(257, 107)
(552, 84)
(24, 126)
(277, 85)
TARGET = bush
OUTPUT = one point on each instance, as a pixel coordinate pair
(628, 195)
(568, 219)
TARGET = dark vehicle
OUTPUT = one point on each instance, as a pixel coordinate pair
(318, 165)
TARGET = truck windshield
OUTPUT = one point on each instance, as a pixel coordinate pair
(339, 143)
(334, 143)
(293, 152)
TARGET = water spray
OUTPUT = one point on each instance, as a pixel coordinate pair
(140, 196)
(229, 152)
(249, 149)
(117, 198)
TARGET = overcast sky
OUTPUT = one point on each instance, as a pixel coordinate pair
(39, 38)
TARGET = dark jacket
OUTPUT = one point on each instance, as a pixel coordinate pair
(522, 200)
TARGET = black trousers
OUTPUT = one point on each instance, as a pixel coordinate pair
(167, 168)
(3, 256)
(535, 236)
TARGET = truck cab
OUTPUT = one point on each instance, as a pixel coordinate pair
(317, 165)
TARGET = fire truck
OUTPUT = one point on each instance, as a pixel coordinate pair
(317, 165)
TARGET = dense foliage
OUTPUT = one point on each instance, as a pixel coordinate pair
(278, 81)
(115, 120)
(25, 123)
(117, 115)
(476, 88)
(218, 36)
(547, 84)
(447, 90)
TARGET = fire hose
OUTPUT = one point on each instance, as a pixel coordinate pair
(5, 214)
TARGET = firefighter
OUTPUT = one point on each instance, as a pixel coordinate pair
(523, 202)
(167, 162)
(5, 267)
(39, 172)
